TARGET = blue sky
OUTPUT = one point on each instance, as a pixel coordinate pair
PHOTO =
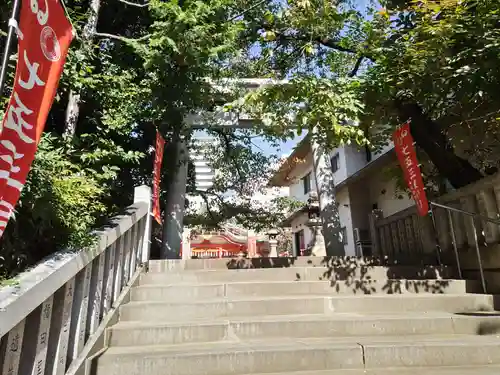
(286, 147)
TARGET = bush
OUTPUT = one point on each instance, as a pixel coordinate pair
(59, 205)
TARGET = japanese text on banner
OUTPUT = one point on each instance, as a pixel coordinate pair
(44, 36)
(407, 156)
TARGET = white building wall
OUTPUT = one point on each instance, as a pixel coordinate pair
(355, 201)
(351, 160)
(300, 171)
(383, 193)
(341, 174)
(355, 159)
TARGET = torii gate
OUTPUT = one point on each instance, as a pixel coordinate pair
(174, 217)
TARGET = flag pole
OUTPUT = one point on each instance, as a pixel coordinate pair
(8, 44)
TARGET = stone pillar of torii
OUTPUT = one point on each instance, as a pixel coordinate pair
(174, 232)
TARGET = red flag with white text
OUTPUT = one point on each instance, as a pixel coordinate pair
(407, 156)
(160, 145)
(44, 36)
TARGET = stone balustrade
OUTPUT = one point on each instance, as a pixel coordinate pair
(55, 315)
(406, 233)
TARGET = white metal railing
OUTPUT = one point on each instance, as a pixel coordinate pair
(465, 225)
(50, 317)
(473, 218)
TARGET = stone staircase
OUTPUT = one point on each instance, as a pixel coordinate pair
(307, 316)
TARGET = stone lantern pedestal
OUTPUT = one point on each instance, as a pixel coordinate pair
(317, 247)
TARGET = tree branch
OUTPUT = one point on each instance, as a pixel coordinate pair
(333, 44)
(356, 66)
(204, 196)
(121, 38)
(326, 42)
(228, 149)
(247, 10)
(134, 4)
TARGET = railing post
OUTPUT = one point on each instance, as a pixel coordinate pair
(436, 236)
(96, 293)
(455, 246)
(374, 234)
(109, 278)
(80, 312)
(143, 194)
(134, 236)
(478, 254)
(60, 330)
(43, 337)
(13, 350)
(119, 271)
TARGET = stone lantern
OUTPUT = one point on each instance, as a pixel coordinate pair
(273, 243)
(317, 246)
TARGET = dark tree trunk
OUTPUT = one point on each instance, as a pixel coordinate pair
(429, 137)
(75, 99)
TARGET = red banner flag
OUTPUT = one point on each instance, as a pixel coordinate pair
(44, 36)
(407, 156)
(160, 144)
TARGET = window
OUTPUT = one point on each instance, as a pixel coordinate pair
(306, 180)
(343, 233)
(334, 161)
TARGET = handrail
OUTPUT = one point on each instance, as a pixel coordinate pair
(472, 216)
(66, 300)
(485, 218)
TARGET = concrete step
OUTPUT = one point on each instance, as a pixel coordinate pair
(299, 326)
(404, 303)
(220, 308)
(257, 306)
(309, 261)
(299, 273)
(282, 288)
(233, 357)
(449, 370)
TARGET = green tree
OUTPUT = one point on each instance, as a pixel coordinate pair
(146, 67)
(240, 191)
(357, 75)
